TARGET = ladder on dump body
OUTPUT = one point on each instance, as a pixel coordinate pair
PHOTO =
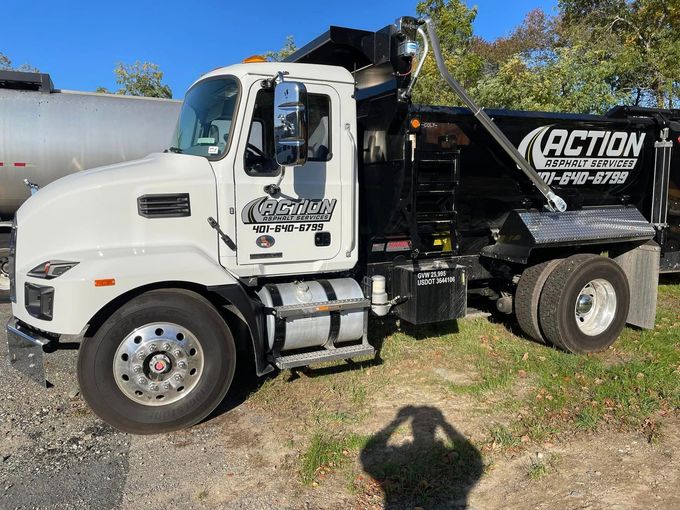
(434, 179)
(328, 352)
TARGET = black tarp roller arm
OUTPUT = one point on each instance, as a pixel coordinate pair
(554, 202)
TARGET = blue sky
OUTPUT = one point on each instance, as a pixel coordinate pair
(79, 42)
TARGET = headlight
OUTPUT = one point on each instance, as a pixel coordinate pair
(51, 269)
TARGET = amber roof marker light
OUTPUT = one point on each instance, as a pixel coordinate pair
(253, 58)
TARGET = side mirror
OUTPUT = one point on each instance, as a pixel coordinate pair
(290, 123)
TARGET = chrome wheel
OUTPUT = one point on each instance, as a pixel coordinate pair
(158, 364)
(595, 307)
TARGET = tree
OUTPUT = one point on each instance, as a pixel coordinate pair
(644, 41)
(453, 21)
(289, 47)
(140, 79)
(594, 54)
(6, 65)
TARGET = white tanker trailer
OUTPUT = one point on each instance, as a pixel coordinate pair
(47, 133)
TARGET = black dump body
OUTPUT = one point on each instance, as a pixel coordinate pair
(435, 184)
(447, 185)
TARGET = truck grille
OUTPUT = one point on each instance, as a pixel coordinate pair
(171, 205)
(12, 262)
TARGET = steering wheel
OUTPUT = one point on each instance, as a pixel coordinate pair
(255, 150)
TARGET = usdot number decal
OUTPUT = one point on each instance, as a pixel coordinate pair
(434, 278)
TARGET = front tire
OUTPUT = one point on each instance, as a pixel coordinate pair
(584, 303)
(161, 362)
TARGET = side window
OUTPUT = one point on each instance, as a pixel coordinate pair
(259, 157)
(319, 147)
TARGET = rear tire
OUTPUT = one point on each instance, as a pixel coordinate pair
(168, 343)
(527, 297)
(584, 303)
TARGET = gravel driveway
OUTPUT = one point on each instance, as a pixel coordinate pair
(54, 453)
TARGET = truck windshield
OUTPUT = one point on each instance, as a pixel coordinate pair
(205, 120)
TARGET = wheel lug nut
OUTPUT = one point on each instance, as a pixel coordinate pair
(141, 380)
(178, 377)
(137, 369)
(167, 386)
(153, 347)
(177, 353)
(141, 355)
(153, 387)
(182, 364)
(166, 347)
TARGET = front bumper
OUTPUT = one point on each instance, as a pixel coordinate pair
(26, 349)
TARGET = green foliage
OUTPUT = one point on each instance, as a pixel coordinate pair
(453, 20)
(289, 47)
(591, 56)
(6, 65)
(140, 79)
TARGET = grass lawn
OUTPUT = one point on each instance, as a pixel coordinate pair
(518, 392)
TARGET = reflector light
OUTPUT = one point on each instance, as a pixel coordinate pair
(415, 123)
(19, 164)
(254, 58)
(105, 282)
(399, 245)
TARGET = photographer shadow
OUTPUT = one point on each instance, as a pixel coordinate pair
(434, 470)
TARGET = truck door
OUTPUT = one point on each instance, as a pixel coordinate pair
(302, 222)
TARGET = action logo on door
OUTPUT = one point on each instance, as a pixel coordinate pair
(270, 210)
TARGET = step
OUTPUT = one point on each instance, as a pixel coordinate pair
(307, 309)
(310, 358)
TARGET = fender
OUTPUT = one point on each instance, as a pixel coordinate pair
(524, 231)
(252, 313)
(78, 300)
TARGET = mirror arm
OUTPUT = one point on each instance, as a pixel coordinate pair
(274, 189)
(277, 78)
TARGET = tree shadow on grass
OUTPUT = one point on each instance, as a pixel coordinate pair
(431, 471)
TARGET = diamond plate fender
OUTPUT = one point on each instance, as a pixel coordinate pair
(524, 231)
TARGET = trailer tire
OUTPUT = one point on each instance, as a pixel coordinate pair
(163, 361)
(527, 297)
(4, 274)
(584, 303)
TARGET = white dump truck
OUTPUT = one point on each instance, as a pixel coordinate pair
(299, 198)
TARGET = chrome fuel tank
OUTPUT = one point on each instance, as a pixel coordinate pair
(316, 330)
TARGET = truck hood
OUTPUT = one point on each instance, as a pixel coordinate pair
(97, 209)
